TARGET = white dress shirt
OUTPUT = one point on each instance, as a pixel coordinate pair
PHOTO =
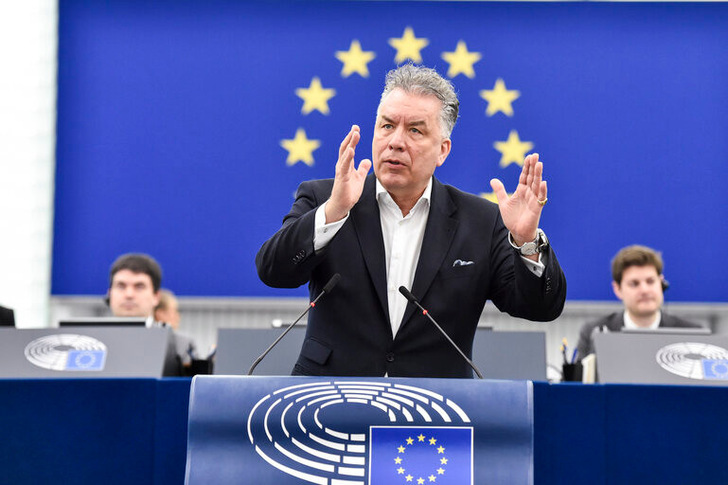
(403, 237)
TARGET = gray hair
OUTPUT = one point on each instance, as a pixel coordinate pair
(424, 81)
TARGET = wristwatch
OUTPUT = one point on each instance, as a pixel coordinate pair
(536, 246)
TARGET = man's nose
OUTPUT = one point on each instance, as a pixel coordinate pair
(396, 140)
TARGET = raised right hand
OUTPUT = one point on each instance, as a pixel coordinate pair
(348, 181)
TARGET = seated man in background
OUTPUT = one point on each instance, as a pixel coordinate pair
(637, 281)
(134, 283)
(7, 317)
(167, 312)
(134, 291)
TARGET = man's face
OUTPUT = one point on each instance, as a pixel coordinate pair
(408, 143)
(640, 290)
(132, 294)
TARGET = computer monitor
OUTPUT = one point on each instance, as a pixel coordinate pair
(7, 317)
(103, 322)
(88, 352)
(662, 358)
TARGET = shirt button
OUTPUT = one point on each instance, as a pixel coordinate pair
(390, 357)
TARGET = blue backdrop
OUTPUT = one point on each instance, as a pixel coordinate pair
(177, 121)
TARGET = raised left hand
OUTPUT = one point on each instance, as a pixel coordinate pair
(522, 210)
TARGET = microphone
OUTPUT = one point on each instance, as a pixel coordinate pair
(327, 289)
(407, 294)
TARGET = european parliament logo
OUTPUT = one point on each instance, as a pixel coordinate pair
(694, 360)
(67, 352)
(340, 432)
(419, 455)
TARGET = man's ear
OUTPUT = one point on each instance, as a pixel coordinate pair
(157, 296)
(445, 147)
(616, 287)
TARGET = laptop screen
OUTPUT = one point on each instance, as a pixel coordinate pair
(662, 358)
(103, 322)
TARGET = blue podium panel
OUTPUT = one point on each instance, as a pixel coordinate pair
(358, 431)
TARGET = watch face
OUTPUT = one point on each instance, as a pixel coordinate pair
(529, 249)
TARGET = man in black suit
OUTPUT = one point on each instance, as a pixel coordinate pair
(7, 317)
(402, 227)
(638, 281)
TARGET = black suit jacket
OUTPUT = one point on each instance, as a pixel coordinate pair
(615, 323)
(349, 332)
(7, 317)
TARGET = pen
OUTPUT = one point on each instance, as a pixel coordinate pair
(573, 356)
(564, 345)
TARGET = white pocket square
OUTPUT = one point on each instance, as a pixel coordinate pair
(460, 262)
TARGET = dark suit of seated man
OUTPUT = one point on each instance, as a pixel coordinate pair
(637, 281)
(7, 317)
(403, 227)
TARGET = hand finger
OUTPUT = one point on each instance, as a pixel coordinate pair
(499, 190)
(542, 191)
(353, 133)
(345, 143)
(524, 174)
(364, 167)
(523, 179)
(537, 177)
(346, 162)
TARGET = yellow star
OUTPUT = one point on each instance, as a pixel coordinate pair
(433, 441)
(432, 478)
(443, 460)
(315, 97)
(491, 197)
(300, 148)
(441, 449)
(400, 470)
(401, 449)
(355, 60)
(421, 438)
(408, 46)
(409, 478)
(420, 481)
(461, 61)
(440, 471)
(410, 441)
(512, 150)
(398, 460)
(499, 98)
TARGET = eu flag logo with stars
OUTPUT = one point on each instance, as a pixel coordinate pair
(715, 369)
(86, 360)
(419, 455)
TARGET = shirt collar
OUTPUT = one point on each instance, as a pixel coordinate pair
(383, 195)
(629, 323)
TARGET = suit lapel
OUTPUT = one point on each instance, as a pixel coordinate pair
(616, 323)
(365, 219)
(439, 233)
